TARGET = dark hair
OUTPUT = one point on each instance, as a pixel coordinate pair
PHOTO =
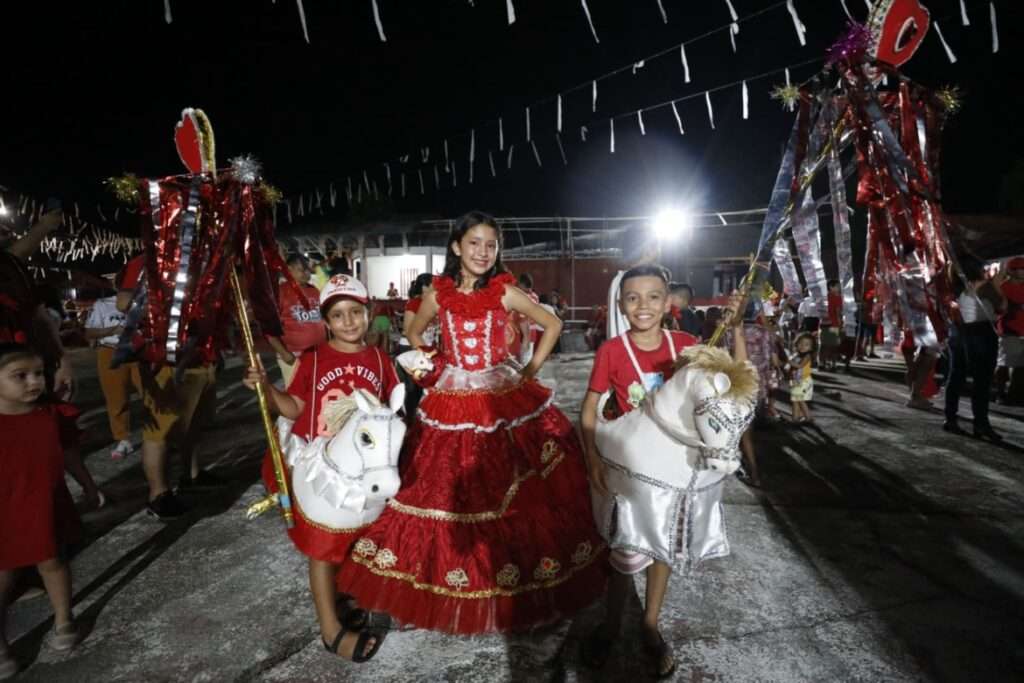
(832, 283)
(13, 351)
(452, 262)
(676, 287)
(297, 258)
(421, 281)
(526, 281)
(806, 335)
(973, 268)
(645, 270)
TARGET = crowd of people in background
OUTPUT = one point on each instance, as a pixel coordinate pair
(788, 339)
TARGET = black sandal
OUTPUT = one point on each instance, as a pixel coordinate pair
(659, 652)
(353, 618)
(596, 648)
(358, 655)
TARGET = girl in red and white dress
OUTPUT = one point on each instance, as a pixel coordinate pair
(328, 371)
(37, 516)
(492, 528)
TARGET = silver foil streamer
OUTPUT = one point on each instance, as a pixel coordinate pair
(806, 234)
(186, 234)
(844, 250)
(787, 269)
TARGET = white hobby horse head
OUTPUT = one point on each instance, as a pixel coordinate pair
(703, 410)
(708, 404)
(344, 480)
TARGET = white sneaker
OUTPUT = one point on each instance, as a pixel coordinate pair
(121, 450)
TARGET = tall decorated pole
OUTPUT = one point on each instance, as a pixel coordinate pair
(210, 257)
(894, 125)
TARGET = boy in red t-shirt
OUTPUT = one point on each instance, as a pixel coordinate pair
(330, 370)
(300, 319)
(633, 365)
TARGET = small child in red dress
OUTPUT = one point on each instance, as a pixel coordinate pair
(37, 515)
(333, 369)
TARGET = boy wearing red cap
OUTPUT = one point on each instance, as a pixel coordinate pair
(326, 372)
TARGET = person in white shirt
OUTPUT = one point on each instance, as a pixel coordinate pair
(973, 347)
(104, 326)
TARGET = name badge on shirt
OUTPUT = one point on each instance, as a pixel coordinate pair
(638, 392)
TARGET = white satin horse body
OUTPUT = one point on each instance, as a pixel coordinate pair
(345, 480)
(667, 461)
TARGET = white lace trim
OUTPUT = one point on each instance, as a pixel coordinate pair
(455, 339)
(487, 339)
(463, 426)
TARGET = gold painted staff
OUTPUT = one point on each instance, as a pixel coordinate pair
(282, 497)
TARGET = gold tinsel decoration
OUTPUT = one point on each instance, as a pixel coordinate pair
(789, 95)
(270, 194)
(125, 188)
(951, 98)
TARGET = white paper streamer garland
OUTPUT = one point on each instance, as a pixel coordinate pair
(945, 45)
(511, 10)
(846, 9)
(801, 30)
(167, 11)
(995, 32)
(590, 22)
(679, 121)
(611, 139)
(686, 65)
(711, 113)
(527, 124)
(447, 166)
(536, 155)
(561, 150)
(490, 160)
(964, 19)
(501, 136)
(593, 97)
(508, 161)
(302, 20)
(640, 121)
(376, 19)
(558, 118)
(746, 102)
(661, 8)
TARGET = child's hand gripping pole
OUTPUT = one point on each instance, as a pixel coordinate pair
(282, 497)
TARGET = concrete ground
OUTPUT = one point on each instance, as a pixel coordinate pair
(880, 549)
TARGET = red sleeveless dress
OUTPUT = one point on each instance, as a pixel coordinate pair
(492, 529)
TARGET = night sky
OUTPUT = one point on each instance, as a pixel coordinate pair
(93, 89)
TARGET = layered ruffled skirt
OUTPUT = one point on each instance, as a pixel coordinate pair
(492, 529)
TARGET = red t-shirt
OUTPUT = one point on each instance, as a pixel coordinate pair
(835, 309)
(132, 271)
(337, 374)
(1013, 319)
(613, 369)
(303, 328)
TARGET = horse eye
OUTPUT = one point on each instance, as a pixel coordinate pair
(366, 439)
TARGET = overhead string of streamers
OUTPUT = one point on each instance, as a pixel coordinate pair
(895, 135)
(298, 206)
(78, 238)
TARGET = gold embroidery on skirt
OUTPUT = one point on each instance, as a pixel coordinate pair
(508, 576)
(547, 569)
(324, 527)
(478, 594)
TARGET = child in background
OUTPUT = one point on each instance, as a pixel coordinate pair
(831, 330)
(801, 384)
(37, 515)
(332, 369)
(300, 319)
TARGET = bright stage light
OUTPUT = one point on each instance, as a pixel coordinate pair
(671, 224)
(3, 209)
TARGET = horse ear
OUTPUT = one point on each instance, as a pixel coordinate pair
(360, 398)
(397, 398)
(721, 382)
